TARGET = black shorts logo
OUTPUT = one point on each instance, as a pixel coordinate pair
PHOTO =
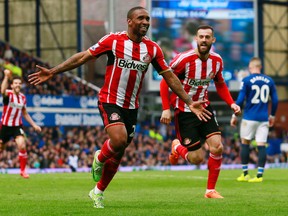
(187, 141)
(114, 117)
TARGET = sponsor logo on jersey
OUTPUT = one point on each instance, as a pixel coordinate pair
(132, 64)
(196, 82)
(16, 105)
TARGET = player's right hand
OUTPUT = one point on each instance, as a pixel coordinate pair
(201, 113)
(41, 76)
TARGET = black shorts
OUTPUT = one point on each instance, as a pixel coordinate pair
(192, 132)
(114, 114)
(10, 131)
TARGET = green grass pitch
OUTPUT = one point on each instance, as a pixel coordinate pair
(144, 193)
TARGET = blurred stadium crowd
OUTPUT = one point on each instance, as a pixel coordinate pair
(23, 64)
(57, 147)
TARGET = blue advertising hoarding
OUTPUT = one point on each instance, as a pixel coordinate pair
(50, 110)
(61, 101)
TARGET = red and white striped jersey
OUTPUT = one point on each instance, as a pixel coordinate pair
(195, 76)
(127, 65)
(12, 110)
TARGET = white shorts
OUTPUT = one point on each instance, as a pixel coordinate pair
(254, 129)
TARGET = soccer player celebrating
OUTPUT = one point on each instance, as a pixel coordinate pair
(195, 69)
(256, 90)
(11, 122)
(129, 55)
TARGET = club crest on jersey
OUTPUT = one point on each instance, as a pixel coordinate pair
(147, 58)
(212, 75)
(114, 117)
(132, 64)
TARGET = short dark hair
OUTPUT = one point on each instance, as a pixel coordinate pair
(16, 77)
(205, 27)
(131, 11)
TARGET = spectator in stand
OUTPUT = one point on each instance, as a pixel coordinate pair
(8, 53)
(187, 40)
(73, 160)
(93, 138)
(24, 63)
(11, 122)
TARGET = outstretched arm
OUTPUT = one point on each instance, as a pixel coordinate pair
(30, 120)
(73, 62)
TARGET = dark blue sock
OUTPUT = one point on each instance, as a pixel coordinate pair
(261, 160)
(244, 154)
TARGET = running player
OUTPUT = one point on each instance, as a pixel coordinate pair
(195, 69)
(129, 55)
(14, 108)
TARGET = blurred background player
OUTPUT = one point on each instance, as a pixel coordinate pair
(195, 69)
(256, 90)
(14, 108)
(187, 39)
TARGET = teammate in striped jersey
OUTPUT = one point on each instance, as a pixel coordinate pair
(195, 69)
(256, 89)
(129, 55)
(14, 108)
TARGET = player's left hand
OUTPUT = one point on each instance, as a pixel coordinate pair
(236, 109)
(233, 121)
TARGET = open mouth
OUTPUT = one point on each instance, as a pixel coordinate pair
(144, 28)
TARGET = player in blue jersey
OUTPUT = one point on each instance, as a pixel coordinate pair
(255, 90)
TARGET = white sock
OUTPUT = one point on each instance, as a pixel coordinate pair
(209, 190)
(97, 191)
(175, 147)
